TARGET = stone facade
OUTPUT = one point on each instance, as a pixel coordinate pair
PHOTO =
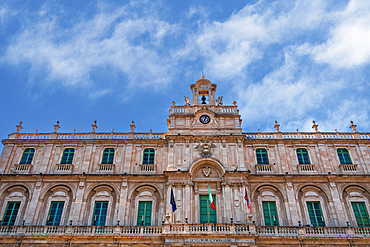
(284, 174)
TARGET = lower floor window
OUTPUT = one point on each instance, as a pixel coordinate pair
(55, 214)
(361, 214)
(10, 214)
(315, 213)
(100, 213)
(270, 214)
(207, 214)
(144, 216)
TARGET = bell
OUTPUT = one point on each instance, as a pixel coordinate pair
(204, 100)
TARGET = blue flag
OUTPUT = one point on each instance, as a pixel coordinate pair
(172, 202)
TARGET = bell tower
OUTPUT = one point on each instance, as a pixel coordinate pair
(203, 92)
(206, 115)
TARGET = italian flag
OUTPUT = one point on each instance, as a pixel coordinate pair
(211, 199)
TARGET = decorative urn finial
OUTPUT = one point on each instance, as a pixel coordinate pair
(353, 127)
(94, 126)
(132, 126)
(277, 126)
(315, 126)
(56, 127)
(19, 127)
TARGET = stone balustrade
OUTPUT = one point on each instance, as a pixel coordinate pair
(148, 168)
(303, 168)
(22, 168)
(184, 229)
(140, 136)
(348, 168)
(64, 168)
(106, 168)
(264, 169)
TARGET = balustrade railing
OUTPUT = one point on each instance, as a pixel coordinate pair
(106, 168)
(64, 167)
(185, 228)
(148, 168)
(22, 168)
(348, 168)
(303, 168)
(264, 168)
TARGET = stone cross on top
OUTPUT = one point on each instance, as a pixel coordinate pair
(277, 126)
(315, 126)
(19, 127)
(353, 127)
(56, 127)
(94, 126)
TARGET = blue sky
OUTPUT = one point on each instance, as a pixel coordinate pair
(118, 61)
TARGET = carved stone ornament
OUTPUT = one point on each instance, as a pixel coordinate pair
(205, 148)
(206, 171)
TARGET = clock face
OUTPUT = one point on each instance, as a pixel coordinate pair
(204, 119)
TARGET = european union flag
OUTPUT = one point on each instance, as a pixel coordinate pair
(173, 203)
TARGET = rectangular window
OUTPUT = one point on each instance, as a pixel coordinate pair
(270, 214)
(100, 213)
(360, 211)
(67, 157)
(27, 156)
(207, 214)
(55, 214)
(144, 215)
(315, 213)
(262, 158)
(302, 155)
(148, 156)
(344, 156)
(108, 156)
(10, 214)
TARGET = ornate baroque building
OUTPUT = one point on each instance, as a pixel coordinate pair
(114, 189)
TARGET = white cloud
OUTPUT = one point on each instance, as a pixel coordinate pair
(109, 42)
(348, 45)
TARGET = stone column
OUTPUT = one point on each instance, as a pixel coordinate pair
(167, 201)
(34, 205)
(291, 205)
(122, 202)
(127, 164)
(338, 206)
(187, 201)
(76, 212)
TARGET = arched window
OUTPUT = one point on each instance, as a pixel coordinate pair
(108, 156)
(262, 158)
(148, 156)
(344, 156)
(27, 156)
(67, 157)
(302, 155)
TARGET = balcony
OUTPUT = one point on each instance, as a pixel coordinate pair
(306, 168)
(22, 168)
(148, 168)
(183, 230)
(345, 169)
(264, 169)
(106, 168)
(64, 168)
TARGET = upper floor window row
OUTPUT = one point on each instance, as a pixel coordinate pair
(27, 156)
(148, 156)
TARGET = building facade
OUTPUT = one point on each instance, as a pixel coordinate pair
(114, 189)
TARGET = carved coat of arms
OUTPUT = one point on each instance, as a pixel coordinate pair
(205, 148)
(206, 171)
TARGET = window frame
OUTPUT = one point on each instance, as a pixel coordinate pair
(27, 162)
(11, 215)
(260, 155)
(345, 162)
(108, 158)
(101, 223)
(148, 162)
(53, 223)
(145, 211)
(272, 218)
(65, 162)
(208, 208)
(315, 216)
(361, 216)
(301, 157)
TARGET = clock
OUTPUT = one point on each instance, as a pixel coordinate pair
(204, 119)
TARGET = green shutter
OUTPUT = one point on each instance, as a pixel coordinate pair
(315, 213)
(108, 156)
(55, 214)
(10, 214)
(144, 215)
(100, 214)
(207, 214)
(270, 214)
(361, 214)
(302, 155)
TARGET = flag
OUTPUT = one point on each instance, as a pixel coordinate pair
(246, 198)
(172, 202)
(211, 199)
